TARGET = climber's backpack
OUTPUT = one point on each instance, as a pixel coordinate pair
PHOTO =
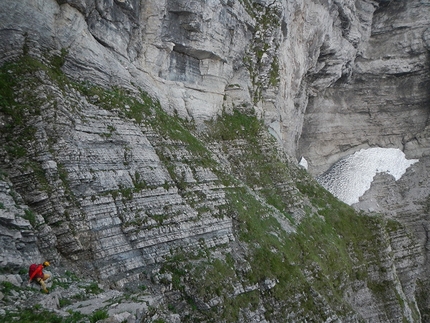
(31, 270)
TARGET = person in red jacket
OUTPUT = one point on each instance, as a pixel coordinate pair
(36, 274)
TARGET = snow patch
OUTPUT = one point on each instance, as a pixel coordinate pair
(351, 177)
(304, 163)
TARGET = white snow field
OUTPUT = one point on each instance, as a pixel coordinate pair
(351, 177)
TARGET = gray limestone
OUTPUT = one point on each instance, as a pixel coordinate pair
(327, 78)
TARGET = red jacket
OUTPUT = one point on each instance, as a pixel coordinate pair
(35, 271)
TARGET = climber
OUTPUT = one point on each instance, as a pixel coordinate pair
(35, 273)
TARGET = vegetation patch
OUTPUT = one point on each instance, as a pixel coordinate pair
(30, 216)
(7, 288)
(254, 158)
(261, 57)
(31, 315)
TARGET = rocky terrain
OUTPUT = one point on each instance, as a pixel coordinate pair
(149, 150)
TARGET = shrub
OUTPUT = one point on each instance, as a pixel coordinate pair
(99, 315)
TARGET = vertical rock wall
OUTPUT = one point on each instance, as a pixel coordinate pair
(326, 78)
(383, 100)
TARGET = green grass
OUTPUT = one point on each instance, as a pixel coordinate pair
(99, 315)
(93, 288)
(64, 302)
(31, 217)
(256, 162)
(33, 315)
(323, 246)
(235, 126)
(7, 287)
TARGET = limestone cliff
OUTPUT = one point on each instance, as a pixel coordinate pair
(155, 143)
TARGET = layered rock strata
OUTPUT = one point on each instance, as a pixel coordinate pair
(105, 193)
(116, 196)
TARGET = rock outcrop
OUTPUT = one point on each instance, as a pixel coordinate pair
(138, 150)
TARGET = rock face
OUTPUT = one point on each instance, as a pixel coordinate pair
(381, 102)
(383, 99)
(128, 147)
(17, 235)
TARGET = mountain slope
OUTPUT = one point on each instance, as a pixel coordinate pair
(219, 223)
(150, 148)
